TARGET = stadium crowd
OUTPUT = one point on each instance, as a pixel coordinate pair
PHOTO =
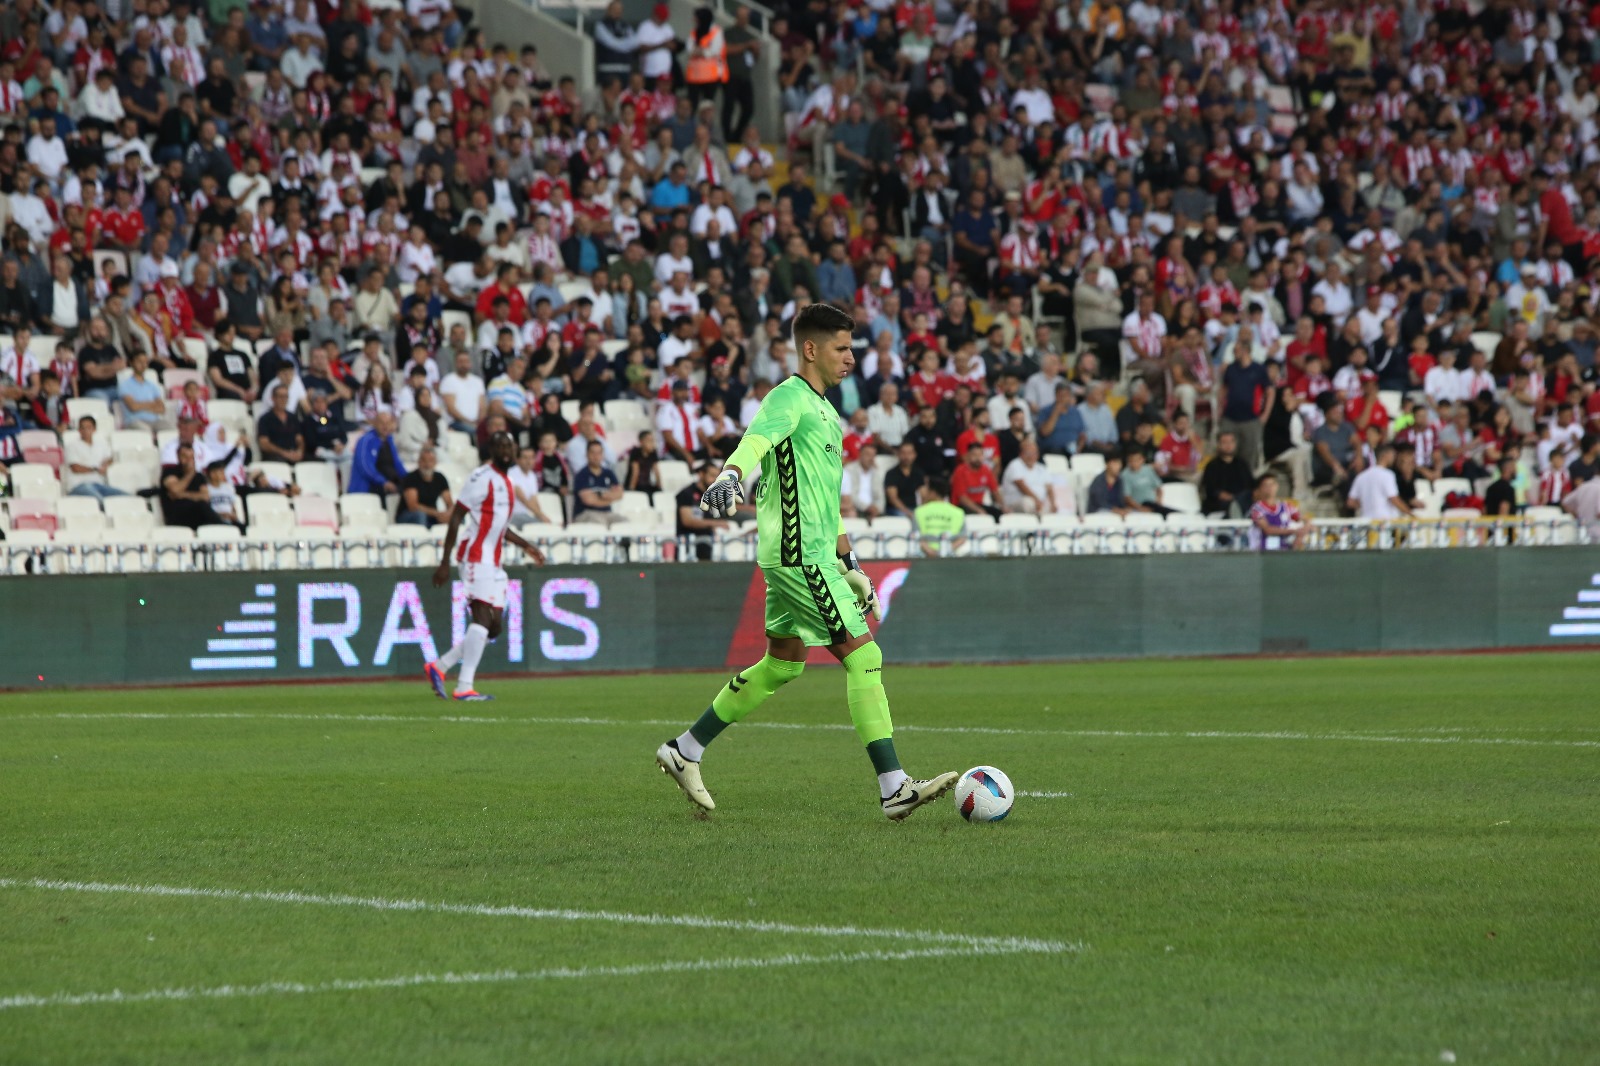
(1101, 256)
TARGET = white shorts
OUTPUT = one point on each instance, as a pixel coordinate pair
(484, 582)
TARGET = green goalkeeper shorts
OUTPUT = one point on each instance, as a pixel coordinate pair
(813, 603)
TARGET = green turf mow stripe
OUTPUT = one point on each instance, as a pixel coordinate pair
(277, 988)
(975, 943)
(1443, 738)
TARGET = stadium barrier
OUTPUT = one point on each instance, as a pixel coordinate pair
(320, 624)
(411, 546)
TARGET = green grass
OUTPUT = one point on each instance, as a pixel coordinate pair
(1237, 899)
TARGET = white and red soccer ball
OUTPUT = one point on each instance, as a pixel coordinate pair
(984, 794)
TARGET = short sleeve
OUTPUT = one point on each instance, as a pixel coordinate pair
(777, 418)
(475, 491)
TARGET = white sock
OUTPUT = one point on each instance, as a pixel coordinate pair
(448, 660)
(690, 748)
(472, 650)
(889, 782)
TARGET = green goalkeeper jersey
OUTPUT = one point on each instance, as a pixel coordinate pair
(797, 503)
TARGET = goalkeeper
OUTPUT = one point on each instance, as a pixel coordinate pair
(817, 595)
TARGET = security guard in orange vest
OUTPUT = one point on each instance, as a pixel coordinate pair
(707, 59)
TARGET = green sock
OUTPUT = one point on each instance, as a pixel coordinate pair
(884, 760)
(708, 728)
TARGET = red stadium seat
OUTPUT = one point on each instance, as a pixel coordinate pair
(32, 514)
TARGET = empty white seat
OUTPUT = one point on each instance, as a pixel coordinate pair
(674, 474)
(459, 448)
(278, 472)
(128, 515)
(634, 503)
(891, 524)
(1019, 521)
(234, 414)
(35, 480)
(131, 477)
(553, 506)
(1181, 496)
(315, 511)
(626, 416)
(317, 479)
(1090, 463)
(364, 523)
(170, 535)
(216, 532)
(360, 504)
(80, 514)
(79, 406)
(269, 513)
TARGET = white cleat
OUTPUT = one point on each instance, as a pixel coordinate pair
(913, 793)
(687, 774)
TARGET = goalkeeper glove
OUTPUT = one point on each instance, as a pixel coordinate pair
(861, 585)
(722, 498)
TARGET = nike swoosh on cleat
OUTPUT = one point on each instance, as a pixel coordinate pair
(912, 799)
(677, 764)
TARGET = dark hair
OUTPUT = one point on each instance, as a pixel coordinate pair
(818, 322)
(939, 487)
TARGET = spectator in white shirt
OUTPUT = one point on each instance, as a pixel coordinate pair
(85, 462)
(674, 260)
(1443, 382)
(719, 434)
(1336, 298)
(655, 39)
(679, 345)
(524, 478)
(29, 211)
(300, 61)
(1375, 493)
(886, 419)
(463, 393)
(48, 152)
(676, 423)
(1028, 487)
(861, 486)
(101, 101)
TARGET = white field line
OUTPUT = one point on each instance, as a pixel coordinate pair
(684, 921)
(998, 731)
(1046, 795)
(276, 988)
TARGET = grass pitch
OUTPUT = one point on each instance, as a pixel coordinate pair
(1341, 861)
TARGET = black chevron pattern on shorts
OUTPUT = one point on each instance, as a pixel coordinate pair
(788, 504)
(822, 596)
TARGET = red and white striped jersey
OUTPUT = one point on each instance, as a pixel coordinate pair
(1553, 486)
(488, 498)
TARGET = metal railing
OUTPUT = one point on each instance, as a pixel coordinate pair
(1184, 535)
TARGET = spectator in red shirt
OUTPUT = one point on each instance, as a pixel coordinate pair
(123, 224)
(859, 434)
(505, 284)
(977, 435)
(1178, 455)
(930, 385)
(1366, 409)
(973, 486)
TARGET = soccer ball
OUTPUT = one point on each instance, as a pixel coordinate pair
(984, 794)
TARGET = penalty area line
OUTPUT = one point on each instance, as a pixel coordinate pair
(557, 973)
(1333, 736)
